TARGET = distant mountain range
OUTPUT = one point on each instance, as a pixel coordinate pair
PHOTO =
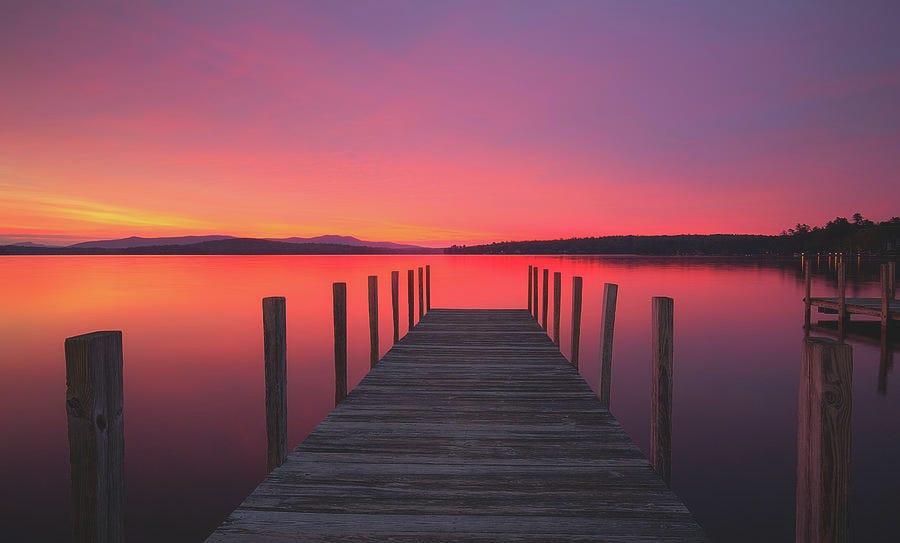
(227, 245)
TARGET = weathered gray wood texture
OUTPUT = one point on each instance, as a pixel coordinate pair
(472, 428)
(340, 341)
(275, 349)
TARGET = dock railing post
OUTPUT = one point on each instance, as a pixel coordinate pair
(545, 297)
(534, 292)
(823, 441)
(885, 297)
(807, 315)
(607, 325)
(339, 291)
(96, 424)
(428, 287)
(557, 294)
(373, 320)
(395, 303)
(275, 347)
(576, 318)
(842, 300)
(410, 298)
(661, 380)
(530, 307)
(421, 293)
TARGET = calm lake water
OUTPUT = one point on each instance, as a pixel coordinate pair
(194, 392)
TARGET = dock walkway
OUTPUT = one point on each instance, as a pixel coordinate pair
(472, 428)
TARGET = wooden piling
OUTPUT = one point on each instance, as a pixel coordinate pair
(421, 293)
(885, 297)
(534, 292)
(395, 303)
(428, 287)
(557, 294)
(340, 341)
(530, 306)
(545, 298)
(607, 325)
(892, 280)
(842, 300)
(94, 408)
(807, 315)
(661, 375)
(576, 318)
(823, 441)
(275, 346)
(373, 320)
(410, 297)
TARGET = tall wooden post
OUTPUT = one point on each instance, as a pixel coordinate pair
(339, 291)
(395, 303)
(607, 325)
(530, 306)
(807, 315)
(885, 298)
(892, 279)
(275, 346)
(421, 293)
(545, 297)
(576, 318)
(94, 408)
(534, 291)
(661, 375)
(557, 294)
(428, 287)
(823, 441)
(410, 297)
(842, 300)
(373, 320)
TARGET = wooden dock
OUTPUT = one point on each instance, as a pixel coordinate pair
(473, 427)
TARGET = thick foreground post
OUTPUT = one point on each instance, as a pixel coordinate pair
(395, 303)
(410, 297)
(96, 435)
(339, 291)
(823, 441)
(534, 292)
(275, 345)
(428, 287)
(530, 307)
(545, 296)
(557, 294)
(576, 318)
(421, 293)
(607, 324)
(373, 320)
(661, 374)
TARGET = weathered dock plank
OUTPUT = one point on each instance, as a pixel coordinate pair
(472, 428)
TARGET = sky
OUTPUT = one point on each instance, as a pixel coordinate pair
(444, 122)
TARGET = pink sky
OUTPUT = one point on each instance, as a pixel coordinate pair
(437, 123)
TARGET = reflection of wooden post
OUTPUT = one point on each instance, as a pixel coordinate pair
(410, 297)
(530, 307)
(395, 303)
(576, 318)
(96, 435)
(428, 287)
(886, 362)
(661, 375)
(340, 341)
(608, 323)
(885, 298)
(823, 441)
(421, 293)
(557, 293)
(842, 300)
(545, 298)
(807, 316)
(373, 320)
(275, 344)
(534, 291)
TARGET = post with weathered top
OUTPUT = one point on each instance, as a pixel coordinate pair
(421, 293)
(428, 287)
(842, 299)
(339, 291)
(807, 315)
(823, 441)
(545, 298)
(96, 435)
(373, 320)
(275, 347)
(661, 374)
(534, 291)
(607, 325)
(557, 294)
(576, 318)
(530, 307)
(410, 297)
(395, 303)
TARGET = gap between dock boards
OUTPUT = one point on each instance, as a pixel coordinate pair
(473, 427)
